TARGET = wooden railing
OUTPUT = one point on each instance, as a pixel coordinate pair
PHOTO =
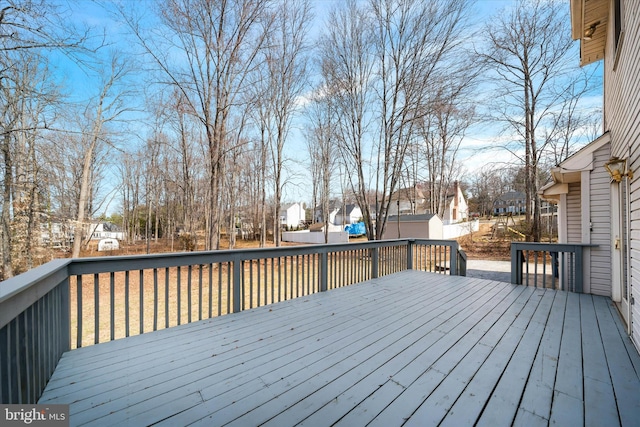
(548, 265)
(67, 304)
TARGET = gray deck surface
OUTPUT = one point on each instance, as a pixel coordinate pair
(412, 348)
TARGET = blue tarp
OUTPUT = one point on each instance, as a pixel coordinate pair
(356, 229)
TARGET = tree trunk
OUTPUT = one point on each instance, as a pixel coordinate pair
(85, 184)
(7, 247)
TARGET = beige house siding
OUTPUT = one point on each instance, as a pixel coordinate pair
(600, 208)
(622, 119)
(574, 222)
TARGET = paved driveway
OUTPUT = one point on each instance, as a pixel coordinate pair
(491, 270)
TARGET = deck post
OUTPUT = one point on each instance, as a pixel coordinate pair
(65, 316)
(323, 271)
(236, 285)
(453, 261)
(410, 244)
(579, 277)
(516, 265)
(374, 263)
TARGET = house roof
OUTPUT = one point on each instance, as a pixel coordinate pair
(511, 195)
(333, 205)
(413, 193)
(286, 206)
(571, 168)
(590, 16)
(318, 226)
(349, 209)
(411, 218)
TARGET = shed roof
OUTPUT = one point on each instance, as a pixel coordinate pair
(413, 218)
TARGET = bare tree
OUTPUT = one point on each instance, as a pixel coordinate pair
(529, 54)
(321, 143)
(383, 62)
(27, 28)
(185, 150)
(442, 130)
(286, 62)
(347, 69)
(27, 97)
(486, 185)
(262, 117)
(218, 45)
(572, 125)
(108, 106)
(413, 42)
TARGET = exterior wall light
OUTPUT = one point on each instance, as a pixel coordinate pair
(617, 168)
(588, 33)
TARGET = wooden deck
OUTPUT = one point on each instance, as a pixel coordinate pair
(411, 349)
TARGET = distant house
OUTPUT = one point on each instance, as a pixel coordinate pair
(106, 230)
(514, 202)
(348, 214)
(416, 200)
(57, 234)
(407, 201)
(292, 214)
(334, 207)
(424, 226)
(456, 208)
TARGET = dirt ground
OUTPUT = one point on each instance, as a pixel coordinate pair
(482, 245)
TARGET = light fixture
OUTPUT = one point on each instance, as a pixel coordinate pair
(588, 33)
(617, 168)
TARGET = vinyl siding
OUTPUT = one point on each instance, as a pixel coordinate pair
(622, 119)
(600, 208)
(574, 223)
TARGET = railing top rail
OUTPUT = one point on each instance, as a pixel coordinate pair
(21, 291)
(557, 247)
(136, 262)
(442, 242)
(17, 284)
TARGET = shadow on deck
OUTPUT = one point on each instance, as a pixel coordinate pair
(411, 348)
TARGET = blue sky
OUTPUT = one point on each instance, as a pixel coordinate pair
(83, 85)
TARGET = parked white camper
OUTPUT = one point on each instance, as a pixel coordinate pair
(108, 245)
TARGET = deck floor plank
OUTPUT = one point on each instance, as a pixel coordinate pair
(455, 373)
(470, 403)
(568, 396)
(411, 348)
(599, 401)
(624, 378)
(340, 366)
(225, 372)
(136, 354)
(358, 390)
(208, 381)
(537, 397)
(503, 404)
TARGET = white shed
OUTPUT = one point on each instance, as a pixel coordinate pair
(424, 226)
